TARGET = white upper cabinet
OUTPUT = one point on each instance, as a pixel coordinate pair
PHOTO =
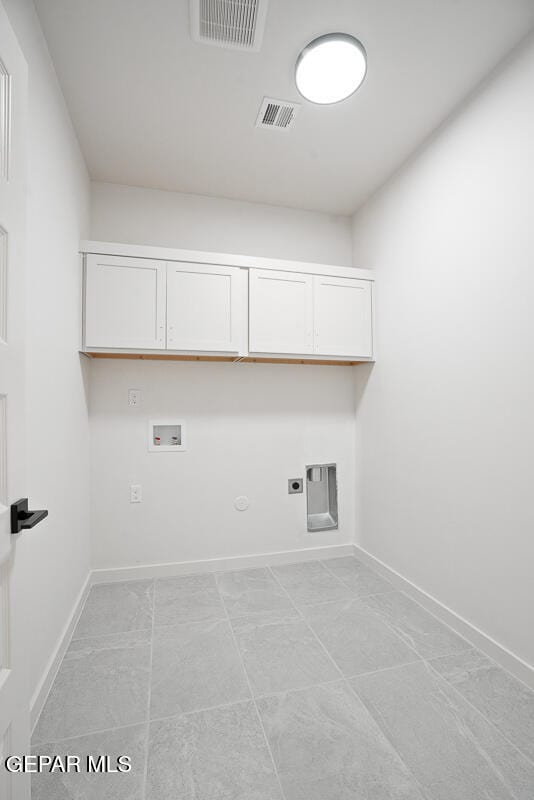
(280, 312)
(316, 315)
(124, 303)
(343, 317)
(205, 307)
(180, 302)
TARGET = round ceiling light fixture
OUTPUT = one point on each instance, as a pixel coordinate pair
(331, 68)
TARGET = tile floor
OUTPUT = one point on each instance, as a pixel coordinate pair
(309, 681)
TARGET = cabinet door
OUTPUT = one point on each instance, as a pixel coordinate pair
(343, 317)
(204, 307)
(280, 312)
(124, 302)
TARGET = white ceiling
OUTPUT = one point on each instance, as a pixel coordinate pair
(153, 108)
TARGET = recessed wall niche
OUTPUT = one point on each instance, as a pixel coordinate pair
(166, 435)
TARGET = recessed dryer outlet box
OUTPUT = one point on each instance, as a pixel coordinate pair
(321, 497)
(166, 435)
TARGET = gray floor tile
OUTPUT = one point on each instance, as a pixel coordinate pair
(116, 607)
(195, 665)
(357, 576)
(327, 747)
(110, 641)
(419, 629)
(95, 786)
(514, 770)
(100, 685)
(211, 755)
(310, 582)
(280, 655)
(356, 638)
(458, 721)
(451, 750)
(187, 598)
(251, 591)
(500, 697)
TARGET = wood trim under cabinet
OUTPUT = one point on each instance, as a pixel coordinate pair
(160, 356)
(252, 360)
(317, 362)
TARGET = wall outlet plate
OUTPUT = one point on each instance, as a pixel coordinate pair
(295, 485)
(136, 493)
(134, 397)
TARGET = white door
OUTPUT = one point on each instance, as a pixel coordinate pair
(124, 303)
(343, 317)
(280, 312)
(204, 307)
(14, 699)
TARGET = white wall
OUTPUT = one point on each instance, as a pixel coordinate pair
(56, 553)
(171, 219)
(445, 423)
(250, 427)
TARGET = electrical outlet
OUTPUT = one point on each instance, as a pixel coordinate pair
(295, 485)
(134, 397)
(136, 494)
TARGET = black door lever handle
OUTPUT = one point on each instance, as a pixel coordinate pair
(21, 518)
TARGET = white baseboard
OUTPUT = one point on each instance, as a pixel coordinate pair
(145, 571)
(500, 654)
(41, 693)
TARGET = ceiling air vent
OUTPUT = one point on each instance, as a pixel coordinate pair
(277, 114)
(234, 24)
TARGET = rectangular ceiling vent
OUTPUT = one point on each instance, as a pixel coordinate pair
(234, 24)
(277, 114)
